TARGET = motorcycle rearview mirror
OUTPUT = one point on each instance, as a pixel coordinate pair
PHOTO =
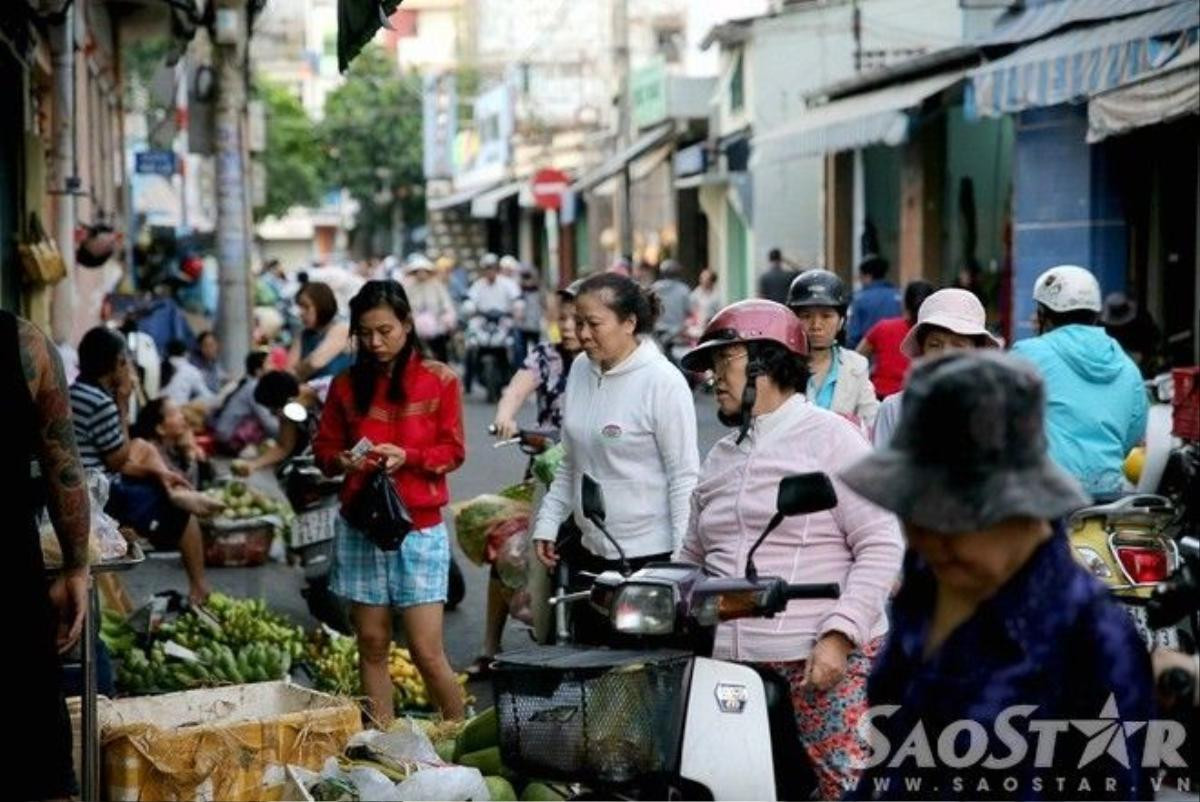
(798, 494)
(295, 412)
(804, 494)
(592, 501)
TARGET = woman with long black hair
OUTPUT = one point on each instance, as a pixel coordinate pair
(409, 408)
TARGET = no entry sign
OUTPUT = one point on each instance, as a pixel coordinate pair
(548, 187)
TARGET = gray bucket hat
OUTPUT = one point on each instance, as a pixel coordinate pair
(970, 448)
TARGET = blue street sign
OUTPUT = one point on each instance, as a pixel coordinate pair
(155, 162)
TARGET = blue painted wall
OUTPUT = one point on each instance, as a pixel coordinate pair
(1066, 207)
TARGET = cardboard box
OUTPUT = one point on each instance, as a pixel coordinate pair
(220, 743)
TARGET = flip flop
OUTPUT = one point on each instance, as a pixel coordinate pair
(481, 668)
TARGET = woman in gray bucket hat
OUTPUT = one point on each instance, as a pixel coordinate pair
(993, 612)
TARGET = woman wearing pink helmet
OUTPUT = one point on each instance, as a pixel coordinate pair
(757, 351)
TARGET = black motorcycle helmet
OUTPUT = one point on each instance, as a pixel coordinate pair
(571, 291)
(819, 288)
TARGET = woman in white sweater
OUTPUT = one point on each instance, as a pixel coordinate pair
(629, 422)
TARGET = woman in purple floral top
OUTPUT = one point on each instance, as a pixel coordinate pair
(544, 374)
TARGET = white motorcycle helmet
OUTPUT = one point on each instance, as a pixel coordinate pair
(1067, 288)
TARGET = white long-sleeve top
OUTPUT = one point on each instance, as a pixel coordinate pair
(633, 429)
(187, 383)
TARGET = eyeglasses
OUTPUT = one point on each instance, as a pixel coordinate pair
(722, 361)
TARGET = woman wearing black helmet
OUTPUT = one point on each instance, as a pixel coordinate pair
(840, 379)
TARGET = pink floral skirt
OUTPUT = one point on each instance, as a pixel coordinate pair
(828, 721)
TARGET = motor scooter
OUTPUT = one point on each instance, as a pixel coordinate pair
(489, 344)
(1127, 544)
(654, 716)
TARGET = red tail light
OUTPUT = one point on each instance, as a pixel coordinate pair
(1144, 564)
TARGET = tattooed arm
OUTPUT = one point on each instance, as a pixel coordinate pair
(67, 496)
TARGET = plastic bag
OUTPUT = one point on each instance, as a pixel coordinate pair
(520, 607)
(404, 747)
(377, 511)
(443, 783)
(105, 529)
(374, 785)
(512, 561)
(484, 523)
(545, 465)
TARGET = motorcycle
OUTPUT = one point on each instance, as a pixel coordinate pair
(637, 721)
(489, 343)
(314, 500)
(1169, 465)
(673, 346)
(1126, 545)
(1173, 601)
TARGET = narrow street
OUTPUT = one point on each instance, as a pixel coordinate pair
(487, 469)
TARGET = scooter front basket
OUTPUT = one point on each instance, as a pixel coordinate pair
(594, 716)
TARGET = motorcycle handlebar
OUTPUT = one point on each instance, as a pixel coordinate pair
(827, 590)
(528, 438)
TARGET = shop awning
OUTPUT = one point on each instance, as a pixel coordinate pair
(614, 164)
(1161, 96)
(1028, 21)
(459, 198)
(1082, 62)
(855, 121)
(487, 204)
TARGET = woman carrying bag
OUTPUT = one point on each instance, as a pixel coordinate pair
(409, 409)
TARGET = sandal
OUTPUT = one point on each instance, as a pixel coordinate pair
(481, 668)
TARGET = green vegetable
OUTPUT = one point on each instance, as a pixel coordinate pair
(486, 760)
(480, 732)
(500, 789)
(540, 792)
(445, 750)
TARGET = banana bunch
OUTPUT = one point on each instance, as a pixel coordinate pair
(240, 622)
(256, 662)
(117, 635)
(218, 664)
(140, 674)
(410, 691)
(335, 660)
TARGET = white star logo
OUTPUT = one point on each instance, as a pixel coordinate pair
(1103, 733)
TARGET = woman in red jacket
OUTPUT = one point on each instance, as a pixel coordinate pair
(410, 409)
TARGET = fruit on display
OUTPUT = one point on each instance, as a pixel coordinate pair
(334, 658)
(481, 732)
(235, 641)
(242, 501)
(540, 792)
(500, 789)
(486, 760)
(235, 622)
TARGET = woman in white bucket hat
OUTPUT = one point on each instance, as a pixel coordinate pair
(947, 320)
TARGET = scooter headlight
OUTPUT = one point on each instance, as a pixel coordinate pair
(644, 609)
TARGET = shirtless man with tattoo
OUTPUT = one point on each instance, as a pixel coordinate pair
(37, 425)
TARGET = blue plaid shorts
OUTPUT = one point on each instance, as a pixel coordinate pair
(416, 573)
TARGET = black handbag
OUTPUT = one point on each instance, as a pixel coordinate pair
(377, 511)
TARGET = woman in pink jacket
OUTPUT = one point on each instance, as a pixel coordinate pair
(824, 648)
